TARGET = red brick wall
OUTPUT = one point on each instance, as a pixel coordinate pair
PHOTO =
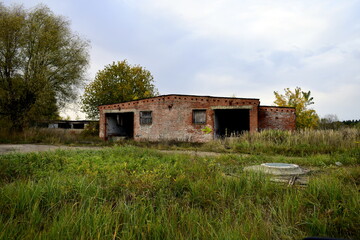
(172, 116)
(276, 118)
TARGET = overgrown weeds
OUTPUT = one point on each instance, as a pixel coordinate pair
(302, 143)
(276, 142)
(49, 136)
(291, 143)
(129, 192)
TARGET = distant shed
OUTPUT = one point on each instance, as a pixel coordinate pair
(70, 124)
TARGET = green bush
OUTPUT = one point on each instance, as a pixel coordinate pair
(91, 129)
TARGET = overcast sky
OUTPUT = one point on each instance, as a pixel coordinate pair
(246, 48)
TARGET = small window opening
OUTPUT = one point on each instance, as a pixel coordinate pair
(199, 116)
(145, 117)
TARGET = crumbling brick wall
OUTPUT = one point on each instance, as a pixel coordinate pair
(281, 118)
(173, 116)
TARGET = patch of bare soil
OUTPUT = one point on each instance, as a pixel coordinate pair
(25, 148)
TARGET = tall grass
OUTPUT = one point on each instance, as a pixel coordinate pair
(290, 143)
(293, 143)
(135, 193)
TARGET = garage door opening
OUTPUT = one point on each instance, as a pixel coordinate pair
(231, 122)
(119, 125)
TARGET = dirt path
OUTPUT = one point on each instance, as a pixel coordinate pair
(24, 148)
(198, 153)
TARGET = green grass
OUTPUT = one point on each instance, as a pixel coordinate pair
(129, 192)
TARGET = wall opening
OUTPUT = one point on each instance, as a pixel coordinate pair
(145, 117)
(64, 125)
(119, 125)
(78, 125)
(231, 122)
(199, 116)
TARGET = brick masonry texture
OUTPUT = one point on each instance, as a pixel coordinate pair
(172, 116)
(281, 118)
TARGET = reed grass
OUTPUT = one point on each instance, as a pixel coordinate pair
(291, 143)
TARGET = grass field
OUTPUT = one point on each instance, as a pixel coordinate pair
(132, 192)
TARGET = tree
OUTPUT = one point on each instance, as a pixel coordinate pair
(41, 64)
(305, 118)
(330, 121)
(117, 82)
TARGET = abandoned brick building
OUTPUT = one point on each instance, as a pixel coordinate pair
(190, 118)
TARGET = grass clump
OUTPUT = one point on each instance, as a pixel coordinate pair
(129, 192)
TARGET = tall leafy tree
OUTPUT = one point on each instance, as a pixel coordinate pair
(41, 63)
(305, 117)
(117, 82)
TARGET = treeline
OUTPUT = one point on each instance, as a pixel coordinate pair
(351, 123)
(328, 123)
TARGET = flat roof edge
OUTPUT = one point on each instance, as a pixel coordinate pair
(275, 106)
(181, 95)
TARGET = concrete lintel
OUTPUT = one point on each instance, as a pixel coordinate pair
(119, 111)
(232, 107)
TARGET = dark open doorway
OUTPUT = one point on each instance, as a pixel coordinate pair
(120, 125)
(231, 122)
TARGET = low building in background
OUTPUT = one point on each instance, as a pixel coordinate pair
(190, 118)
(77, 125)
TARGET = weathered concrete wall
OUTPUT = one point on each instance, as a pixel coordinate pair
(172, 116)
(281, 118)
